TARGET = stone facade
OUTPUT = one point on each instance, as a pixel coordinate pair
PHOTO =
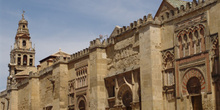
(169, 62)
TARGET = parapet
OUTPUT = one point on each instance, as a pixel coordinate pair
(139, 23)
(101, 43)
(185, 9)
(80, 54)
(98, 42)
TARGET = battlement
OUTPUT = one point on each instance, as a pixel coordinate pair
(79, 54)
(184, 9)
(98, 42)
(139, 23)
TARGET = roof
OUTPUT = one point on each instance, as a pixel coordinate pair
(176, 3)
(57, 54)
(114, 32)
(60, 53)
(169, 5)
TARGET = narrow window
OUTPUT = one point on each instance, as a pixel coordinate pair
(25, 60)
(19, 61)
(31, 62)
(196, 34)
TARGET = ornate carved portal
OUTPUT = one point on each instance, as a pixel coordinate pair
(193, 82)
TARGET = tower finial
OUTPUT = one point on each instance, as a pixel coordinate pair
(23, 14)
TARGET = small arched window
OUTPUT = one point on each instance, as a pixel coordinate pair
(196, 34)
(24, 43)
(202, 32)
(23, 26)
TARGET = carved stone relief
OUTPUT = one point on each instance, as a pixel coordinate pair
(191, 21)
(125, 55)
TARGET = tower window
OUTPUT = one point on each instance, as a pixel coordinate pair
(31, 62)
(25, 60)
(19, 60)
(24, 43)
(23, 26)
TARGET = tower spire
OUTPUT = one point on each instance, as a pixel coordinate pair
(23, 14)
(22, 30)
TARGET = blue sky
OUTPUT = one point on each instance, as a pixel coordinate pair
(66, 24)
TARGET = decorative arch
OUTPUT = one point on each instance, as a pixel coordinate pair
(187, 78)
(168, 59)
(191, 40)
(81, 103)
(126, 96)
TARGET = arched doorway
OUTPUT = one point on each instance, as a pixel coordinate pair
(82, 105)
(127, 99)
(194, 89)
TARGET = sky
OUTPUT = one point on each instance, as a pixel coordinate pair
(68, 25)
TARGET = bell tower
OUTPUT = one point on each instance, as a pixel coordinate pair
(22, 55)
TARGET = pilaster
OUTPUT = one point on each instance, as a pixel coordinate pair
(98, 70)
(150, 68)
(13, 98)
